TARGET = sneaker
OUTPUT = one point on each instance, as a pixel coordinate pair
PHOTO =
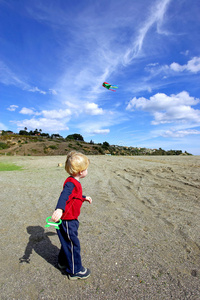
(85, 273)
(62, 267)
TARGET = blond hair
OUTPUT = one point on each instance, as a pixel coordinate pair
(76, 162)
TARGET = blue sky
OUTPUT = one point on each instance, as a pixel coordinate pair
(55, 55)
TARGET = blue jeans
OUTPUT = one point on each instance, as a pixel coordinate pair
(70, 246)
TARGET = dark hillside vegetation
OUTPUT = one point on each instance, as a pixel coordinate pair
(45, 145)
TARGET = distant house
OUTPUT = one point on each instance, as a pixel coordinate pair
(5, 132)
(56, 136)
(9, 132)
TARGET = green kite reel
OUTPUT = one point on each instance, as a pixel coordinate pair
(53, 223)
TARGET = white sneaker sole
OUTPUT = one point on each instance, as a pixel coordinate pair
(75, 277)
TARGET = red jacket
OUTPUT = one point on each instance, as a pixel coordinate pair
(71, 199)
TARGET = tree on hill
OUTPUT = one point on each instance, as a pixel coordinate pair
(106, 145)
(23, 132)
(45, 135)
(75, 136)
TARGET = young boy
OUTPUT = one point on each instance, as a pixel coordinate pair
(68, 210)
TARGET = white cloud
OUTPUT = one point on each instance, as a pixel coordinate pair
(50, 114)
(52, 120)
(56, 114)
(49, 125)
(177, 114)
(12, 107)
(93, 109)
(176, 67)
(101, 131)
(192, 66)
(161, 101)
(168, 109)
(78, 107)
(27, 111)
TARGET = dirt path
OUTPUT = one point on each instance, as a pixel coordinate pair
(140, 237)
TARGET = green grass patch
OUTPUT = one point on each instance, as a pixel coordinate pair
(9, 167)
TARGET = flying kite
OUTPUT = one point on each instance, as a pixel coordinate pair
(109, 86)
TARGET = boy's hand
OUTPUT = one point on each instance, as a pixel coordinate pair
(57, 215)
(89, 199)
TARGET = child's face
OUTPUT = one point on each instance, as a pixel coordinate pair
(83, 173)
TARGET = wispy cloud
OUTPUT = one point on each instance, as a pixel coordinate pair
(36, 89)
(156, 17)
(10, 78)
(179, 133)
(102, 45)
(52, 91)
(160, 76)
(3, 126)
(105, 46)
(12, 107)
(192, 66)
(101, 124)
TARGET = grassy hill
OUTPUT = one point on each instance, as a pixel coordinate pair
(42, 146)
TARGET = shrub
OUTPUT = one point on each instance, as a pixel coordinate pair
(34, 150)
(3, 146)
(53, 147)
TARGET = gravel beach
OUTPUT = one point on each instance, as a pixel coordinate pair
(140, 237)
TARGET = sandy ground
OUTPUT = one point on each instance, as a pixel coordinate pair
(140, 237)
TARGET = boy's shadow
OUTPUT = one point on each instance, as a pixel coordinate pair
(39, 242)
